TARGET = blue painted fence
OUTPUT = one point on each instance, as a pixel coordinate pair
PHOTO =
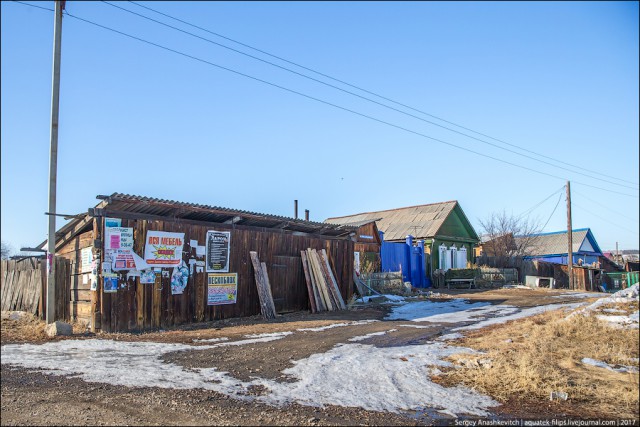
(405, 257)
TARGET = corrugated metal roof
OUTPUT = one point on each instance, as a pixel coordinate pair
(192, 211)
(421, 221)
(555, 243)
(215, 214)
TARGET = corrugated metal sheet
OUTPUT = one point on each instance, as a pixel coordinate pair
(422, 221)
(556, 243)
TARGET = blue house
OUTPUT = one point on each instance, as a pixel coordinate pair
(552, 247)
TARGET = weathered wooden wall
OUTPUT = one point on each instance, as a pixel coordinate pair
(24, 283)
(77, 298)
(139, 306)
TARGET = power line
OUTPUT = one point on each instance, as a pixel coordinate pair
(352, 93)
(32, 5)
(331, 104)
(554, 211)
(604, 206)
(606, 220)
(531, 209)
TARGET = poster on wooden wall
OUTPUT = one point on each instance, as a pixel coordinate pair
(147, 277)
(163, 248)
(222, 288)
(86, 255)
(179, 279)
(217, 248)
(110, 283)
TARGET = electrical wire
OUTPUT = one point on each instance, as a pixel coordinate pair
(367, 91)
(33, 5)
(349, 92)
(604, 206)
(531, 209)
(554, 211)
(604, 219)
(329, 103)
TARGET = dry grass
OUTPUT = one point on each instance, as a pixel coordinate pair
(532, 357)
(20, 327)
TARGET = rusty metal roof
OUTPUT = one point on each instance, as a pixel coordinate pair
(196, 212)
(421, 221)
(161, 208)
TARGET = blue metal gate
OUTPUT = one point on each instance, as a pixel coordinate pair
(405, 257)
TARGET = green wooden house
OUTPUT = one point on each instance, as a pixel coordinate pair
(449, 237)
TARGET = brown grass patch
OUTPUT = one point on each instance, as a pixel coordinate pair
(20, 327)
(532, 357)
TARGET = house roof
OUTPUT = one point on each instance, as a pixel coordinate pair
(421, 221)
(154, 208)
(555, 243)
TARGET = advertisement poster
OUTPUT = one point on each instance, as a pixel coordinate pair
(86, 256)
(217, 251)
(179, 279)
(110, 283)
(163, 249)
(147, 276)
(112, 222)
(222, 288)
(118, 238)
(122, 259)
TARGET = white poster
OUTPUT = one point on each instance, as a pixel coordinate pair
(86, 256)
(163, 249)
(118, 238)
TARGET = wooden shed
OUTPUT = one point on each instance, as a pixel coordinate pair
(141, 263)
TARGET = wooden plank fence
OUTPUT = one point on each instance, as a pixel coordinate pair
(24, 283)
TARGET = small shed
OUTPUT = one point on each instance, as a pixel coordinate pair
(141, 263)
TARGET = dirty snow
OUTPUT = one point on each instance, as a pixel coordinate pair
(600, 364)
(453, 336)
(269, 335)
(372, 334)
(336, 325)
(347, 375)
(417, 326)
(518, 314)
(393, 298)
(211, 339)
(623, 296)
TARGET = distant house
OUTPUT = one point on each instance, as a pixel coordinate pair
(553, 247)
(442, 226)
(502, 245)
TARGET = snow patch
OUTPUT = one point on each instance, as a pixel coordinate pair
(372, 334)
(448, 337)
(336, 325)
(210, 339)
(347, 375)
(600, 364)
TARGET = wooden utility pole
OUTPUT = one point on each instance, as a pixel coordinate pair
(570, 237)
(53, 163)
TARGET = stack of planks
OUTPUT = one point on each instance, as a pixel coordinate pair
(267, 307)
(324, 294)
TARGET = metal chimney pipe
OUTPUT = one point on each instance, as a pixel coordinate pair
(306, 214)
(295, 209)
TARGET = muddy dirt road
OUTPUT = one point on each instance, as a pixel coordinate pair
(338, 368)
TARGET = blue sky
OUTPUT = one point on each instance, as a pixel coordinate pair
(556, 78)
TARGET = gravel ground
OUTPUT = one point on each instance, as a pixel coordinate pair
(34, 398)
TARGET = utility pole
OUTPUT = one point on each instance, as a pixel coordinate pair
(53, 162)
(570, 237)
